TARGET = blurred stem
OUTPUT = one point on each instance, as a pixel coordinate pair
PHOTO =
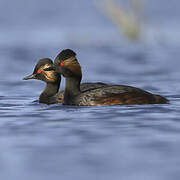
(129, 23)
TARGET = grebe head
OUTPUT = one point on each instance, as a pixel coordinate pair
(40, 74)
(67, 64)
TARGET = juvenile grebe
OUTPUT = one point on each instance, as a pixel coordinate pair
(67, 64)
(50, 94)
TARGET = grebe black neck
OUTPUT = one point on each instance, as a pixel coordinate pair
(67, 64)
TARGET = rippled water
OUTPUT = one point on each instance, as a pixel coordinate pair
(113, 142)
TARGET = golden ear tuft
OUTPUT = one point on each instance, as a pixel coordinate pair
(49, 75)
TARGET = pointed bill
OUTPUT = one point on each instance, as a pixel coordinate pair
(32, 76)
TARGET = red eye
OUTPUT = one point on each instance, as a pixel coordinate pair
(39, 71)
(62, 64)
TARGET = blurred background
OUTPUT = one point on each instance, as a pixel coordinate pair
(132, 42)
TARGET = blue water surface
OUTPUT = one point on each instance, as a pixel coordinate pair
(38, 141)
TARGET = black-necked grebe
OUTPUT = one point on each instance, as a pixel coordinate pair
(67, 64)
(50, 95)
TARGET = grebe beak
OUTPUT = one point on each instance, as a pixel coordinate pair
(32, 76)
